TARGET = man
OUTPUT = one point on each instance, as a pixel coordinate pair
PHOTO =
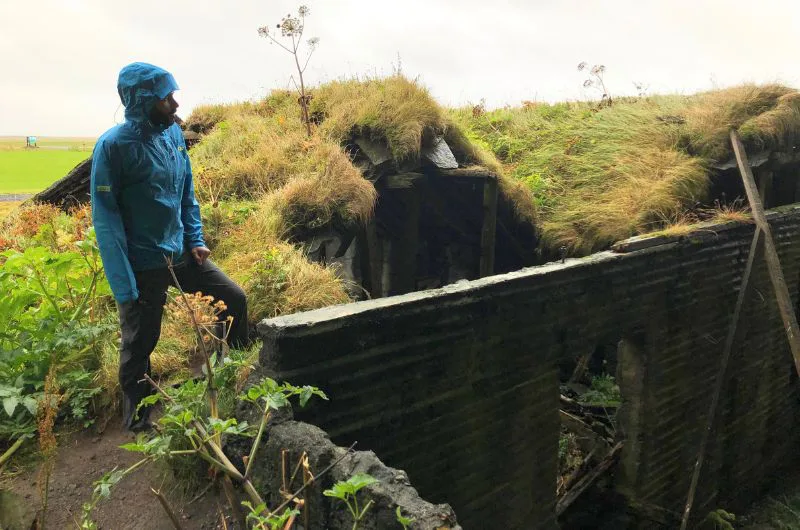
(144, 212)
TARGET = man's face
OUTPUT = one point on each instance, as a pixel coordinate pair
(164, 110)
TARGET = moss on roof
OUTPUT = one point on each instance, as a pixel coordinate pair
(601, 175)
(259, 152)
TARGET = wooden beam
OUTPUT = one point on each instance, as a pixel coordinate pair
(402, 180)
(796, 190)
(404, 244)
(754, 196)
(372, 261)
(489, 227)
(570, 496)
(770, 252)
(765, 187)
(721, 376)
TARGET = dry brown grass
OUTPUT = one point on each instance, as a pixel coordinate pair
(6, 207)
(307, 181)
(393, 110)
(260, 149)
(688, 222)
(280, 280)
(602, 175)
(767, 116)
(177, 347)
(260, 152)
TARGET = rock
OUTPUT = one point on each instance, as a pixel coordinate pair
(376, 152)
(14, 513)
(391, 491)
(440, 155)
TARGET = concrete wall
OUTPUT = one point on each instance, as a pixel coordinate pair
(459, 386)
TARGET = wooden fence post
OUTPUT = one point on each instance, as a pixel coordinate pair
(770, 252)
(781, 294)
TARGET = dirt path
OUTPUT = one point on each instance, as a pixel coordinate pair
(82, 459)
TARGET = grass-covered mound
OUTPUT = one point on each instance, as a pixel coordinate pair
(256, 158)
(604, 174)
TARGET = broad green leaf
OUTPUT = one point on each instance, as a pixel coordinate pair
(340, 490)
(253, 393)
(308, 391)
(135, 447)
(361, 480)
(31, 404)
(10, 405)
(150, 400)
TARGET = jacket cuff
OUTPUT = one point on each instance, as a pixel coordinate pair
(127, 297)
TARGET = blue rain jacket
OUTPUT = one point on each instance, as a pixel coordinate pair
(143, 204)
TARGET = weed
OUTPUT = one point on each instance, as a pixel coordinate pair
(49, 331)
(347, 492)
(721, 520)
(595, 80)
(291, 28)
(404, 521)
(192, 426)
(604, 391)
(570, 456)
(281, 280)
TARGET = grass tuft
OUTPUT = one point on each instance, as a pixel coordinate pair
(280, 280)
(258, 155)
(602, 175)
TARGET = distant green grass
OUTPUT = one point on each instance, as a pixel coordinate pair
(30, 171)
(48, 142)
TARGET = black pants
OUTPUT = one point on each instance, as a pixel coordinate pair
(140, 322)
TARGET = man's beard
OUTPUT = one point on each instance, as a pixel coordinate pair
(159, 118)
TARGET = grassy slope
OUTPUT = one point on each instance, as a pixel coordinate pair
(603, 175)
(30, 171)
(259, 153)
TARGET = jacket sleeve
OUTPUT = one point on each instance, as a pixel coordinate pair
(107, 219)
(190, 209)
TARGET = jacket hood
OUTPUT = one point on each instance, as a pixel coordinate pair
(139, 86)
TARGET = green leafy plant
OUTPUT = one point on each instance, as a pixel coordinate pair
(102, 490)
(50, 320)
(346, 491)
(404, 521)
(191, 425)
(603, 391)
(262, 519)
(721, 519)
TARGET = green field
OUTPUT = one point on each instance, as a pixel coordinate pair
(32, 170)
(49, 142)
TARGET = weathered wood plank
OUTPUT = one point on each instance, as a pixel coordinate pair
(489, 228)
(771, 254)
(721, 377)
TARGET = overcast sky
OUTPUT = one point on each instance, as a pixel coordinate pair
(60, 58)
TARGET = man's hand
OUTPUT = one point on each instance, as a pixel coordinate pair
(200, 254)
